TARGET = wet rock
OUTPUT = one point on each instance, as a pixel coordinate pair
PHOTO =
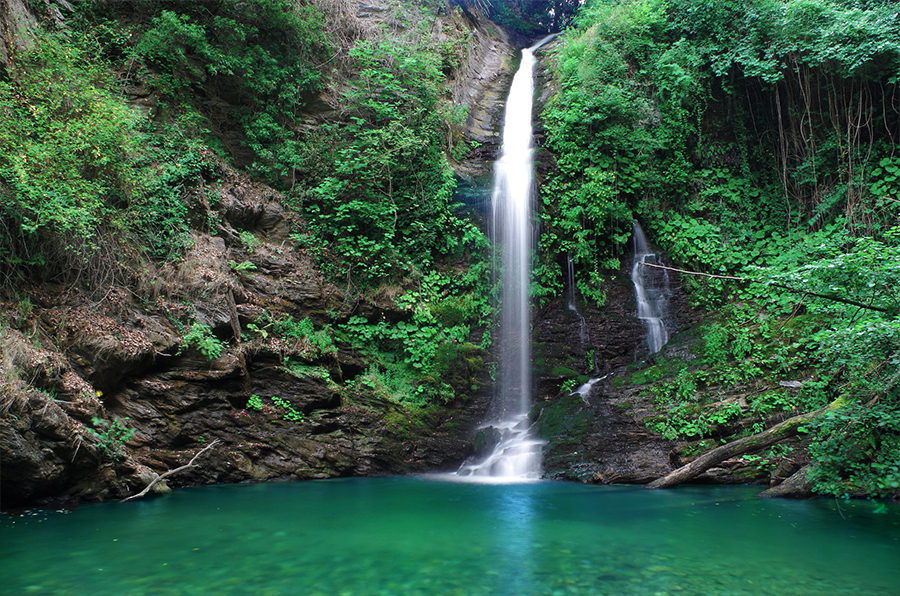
(480, 85)
(598, 437)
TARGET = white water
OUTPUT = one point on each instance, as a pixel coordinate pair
(517, 456)
(585, 389)
(582, 333)
(650, 288)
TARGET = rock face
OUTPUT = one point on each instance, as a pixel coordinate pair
(274, 403)
(595, 436)
(17, 26)
(95, 401)
(598, 434)
(480, 86)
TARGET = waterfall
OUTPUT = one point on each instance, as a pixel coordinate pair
(517, 456)
(570, 267)
(651, 286)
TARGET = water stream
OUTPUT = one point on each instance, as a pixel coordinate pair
(651, 286)
(518, 454)
(570, 279)
(418, 537)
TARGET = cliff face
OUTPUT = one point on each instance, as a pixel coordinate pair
(73, 361)
(123, 357)
(17, 28)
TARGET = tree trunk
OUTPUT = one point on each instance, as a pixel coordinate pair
(798, 486)
(777, 433)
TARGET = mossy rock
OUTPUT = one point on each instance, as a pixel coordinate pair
(562, 371)
(566, 417)
(663, 369)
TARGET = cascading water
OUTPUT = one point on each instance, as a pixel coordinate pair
(518, 454)
(651, 286)
(570, 267)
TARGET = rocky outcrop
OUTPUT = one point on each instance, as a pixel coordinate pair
(17, 30)
(596, 435)
(599, 433)
(480, 86)
(77, 371)
(74, 366)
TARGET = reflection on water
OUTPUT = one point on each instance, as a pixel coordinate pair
(416, 536)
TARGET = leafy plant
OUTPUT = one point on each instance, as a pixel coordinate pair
(856, 450)
(290, 414)
(251, 243)
(255, 403)
(111, 436)
(200, 337)
(319, 341)
(243, 266)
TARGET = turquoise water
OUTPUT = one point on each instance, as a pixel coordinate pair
(419, 536)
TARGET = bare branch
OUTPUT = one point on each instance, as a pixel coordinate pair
(159, 478)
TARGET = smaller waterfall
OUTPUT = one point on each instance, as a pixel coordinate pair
(585, 389)
(582, 333)
(651, 287)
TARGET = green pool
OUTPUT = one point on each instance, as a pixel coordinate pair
(421, 536)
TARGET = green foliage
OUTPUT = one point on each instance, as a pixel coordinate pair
(64, 141)
(582, 221)
(689, 421)
(317, 342)
(263, 54)
(856, 449)
(380, 184)
(280, 406)
(111, 436)
(426, 358)
(169, 159)
(753, 140)
(201, 338)
(79, 167)
(658, 100)
(886, 182)
(241, 267)
(266, 45)
(249, 241)
(530, 17)
(715, 344)
(290, 414)
(305, 371)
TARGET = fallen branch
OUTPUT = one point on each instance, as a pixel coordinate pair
(779, 432)
(161, 477)
(798, 486)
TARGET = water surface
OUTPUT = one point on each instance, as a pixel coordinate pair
(418, 537)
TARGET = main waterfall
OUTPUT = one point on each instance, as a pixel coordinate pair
(517, 456)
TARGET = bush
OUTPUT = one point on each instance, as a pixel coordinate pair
(201, 338)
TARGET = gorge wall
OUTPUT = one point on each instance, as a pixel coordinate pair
(279, 397)
(71, 357)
